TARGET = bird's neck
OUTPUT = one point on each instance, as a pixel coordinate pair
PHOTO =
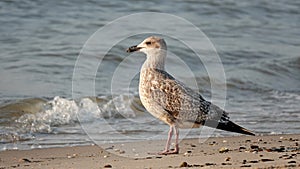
(155, 60)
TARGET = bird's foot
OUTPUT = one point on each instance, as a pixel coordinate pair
(167, 152)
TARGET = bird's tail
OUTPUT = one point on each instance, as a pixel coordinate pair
(229, 126)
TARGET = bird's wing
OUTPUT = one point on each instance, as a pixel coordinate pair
(182, 102)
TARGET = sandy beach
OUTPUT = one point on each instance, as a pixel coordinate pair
(273, 151)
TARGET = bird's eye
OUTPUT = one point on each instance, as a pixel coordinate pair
(148, 43)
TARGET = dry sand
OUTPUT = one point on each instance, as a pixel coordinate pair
(274, 151)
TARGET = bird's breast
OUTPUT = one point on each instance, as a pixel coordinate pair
(147, 86)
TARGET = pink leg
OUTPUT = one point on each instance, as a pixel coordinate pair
(176, 150)
(168, 141)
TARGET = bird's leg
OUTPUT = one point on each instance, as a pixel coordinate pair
(176, 150)
(166, 151)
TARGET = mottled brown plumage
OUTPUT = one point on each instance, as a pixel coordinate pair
(170, 100)
(181, 106)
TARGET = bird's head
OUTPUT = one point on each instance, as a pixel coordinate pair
(152, 44)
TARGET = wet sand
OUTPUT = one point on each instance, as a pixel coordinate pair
(273, 151)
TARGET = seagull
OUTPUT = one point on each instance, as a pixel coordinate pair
(171, 101)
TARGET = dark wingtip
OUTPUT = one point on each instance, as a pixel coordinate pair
(229, 126)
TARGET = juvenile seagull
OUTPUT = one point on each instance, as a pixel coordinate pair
(171, 101)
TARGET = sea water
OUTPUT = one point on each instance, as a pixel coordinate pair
(257, 42)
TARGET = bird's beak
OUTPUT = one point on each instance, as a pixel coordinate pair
(133, 48)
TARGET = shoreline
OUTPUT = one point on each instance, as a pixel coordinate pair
(277, 151)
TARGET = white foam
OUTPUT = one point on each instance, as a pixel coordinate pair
(61, 111)
(57, 112)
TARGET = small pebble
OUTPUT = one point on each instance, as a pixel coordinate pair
(228, 159)
(254, 161)
(187, 152)
(25, 160)
(223, 150)
(285, 155)
(266, 160)
(275, 149)
(109, 148)
(212, 143)
(246, 166)
(209, 164)
(292, 162)
(107, 166)
(183, 164)
(254, 147)
(72, 156)
(226, 164)
(242, 148)
(290, 166)
(197, 165)
(289, 157)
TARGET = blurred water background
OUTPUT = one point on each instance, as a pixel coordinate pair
(257, 41)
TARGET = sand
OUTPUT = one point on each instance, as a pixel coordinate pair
(273, 151)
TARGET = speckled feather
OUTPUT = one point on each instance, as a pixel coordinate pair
(174, 103)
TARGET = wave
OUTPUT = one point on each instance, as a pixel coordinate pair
(21, 120)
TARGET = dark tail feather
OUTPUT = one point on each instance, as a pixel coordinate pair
(230, 126)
